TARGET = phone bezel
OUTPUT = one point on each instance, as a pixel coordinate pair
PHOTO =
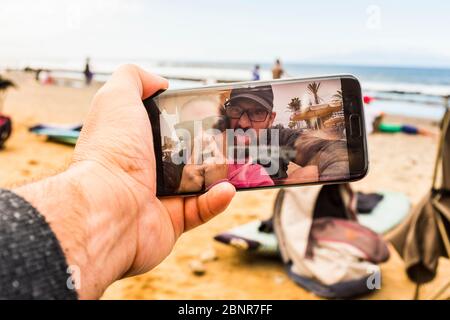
(353, 104)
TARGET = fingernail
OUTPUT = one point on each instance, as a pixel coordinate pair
(165, 81)
(157, 93)
(216, 183)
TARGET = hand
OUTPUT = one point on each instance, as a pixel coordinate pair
(213, 168)
(192, 178)
(103, 209)
(215, 163)
(303, 175)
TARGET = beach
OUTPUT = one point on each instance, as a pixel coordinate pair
(398, 162)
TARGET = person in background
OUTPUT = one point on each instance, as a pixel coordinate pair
(88, 75)
(314, 159)
(375, 122)
(277, 70)
(5, 122)
(213, 166)
(255, 73)
(379, 125)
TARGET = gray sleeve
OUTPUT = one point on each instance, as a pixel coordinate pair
(32, 263)
(330, 156)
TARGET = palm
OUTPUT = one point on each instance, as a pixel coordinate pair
(125, 129)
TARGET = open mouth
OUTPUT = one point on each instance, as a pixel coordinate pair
(241, 139)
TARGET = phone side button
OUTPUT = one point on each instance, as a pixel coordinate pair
(355, 126)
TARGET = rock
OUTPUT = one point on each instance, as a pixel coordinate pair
(278, 279)
(33, 162)
(197, 267)
(208, 255)
(239, 243)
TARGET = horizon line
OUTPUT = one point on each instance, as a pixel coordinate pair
(231, 61)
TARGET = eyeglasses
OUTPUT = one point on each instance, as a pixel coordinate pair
(258, 114)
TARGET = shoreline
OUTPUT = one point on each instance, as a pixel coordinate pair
(227, 73)
(402, 100)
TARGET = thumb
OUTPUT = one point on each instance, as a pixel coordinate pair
(130, 84)
(205, 207)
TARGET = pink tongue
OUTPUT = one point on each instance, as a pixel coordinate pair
(242, 140)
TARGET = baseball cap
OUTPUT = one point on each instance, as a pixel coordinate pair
(262, 95)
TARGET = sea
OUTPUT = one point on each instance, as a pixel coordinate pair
(408, 91)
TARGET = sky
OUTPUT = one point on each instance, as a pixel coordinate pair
(382, 32)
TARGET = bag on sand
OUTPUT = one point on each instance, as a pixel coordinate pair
(5, 129)
(324, 248)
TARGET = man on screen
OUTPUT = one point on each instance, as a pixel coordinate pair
(301, 157)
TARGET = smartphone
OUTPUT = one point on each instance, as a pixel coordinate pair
(259, 134)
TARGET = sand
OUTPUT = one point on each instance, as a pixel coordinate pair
(397, 162)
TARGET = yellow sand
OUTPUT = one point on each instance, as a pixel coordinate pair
(397, 162)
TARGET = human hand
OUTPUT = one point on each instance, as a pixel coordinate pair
(303, 175)
(209, 152)
(104, 209)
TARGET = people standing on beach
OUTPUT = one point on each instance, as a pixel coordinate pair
(255, 73)
(277, 70)
(88, 75)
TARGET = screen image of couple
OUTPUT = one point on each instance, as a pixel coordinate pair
(254, 136)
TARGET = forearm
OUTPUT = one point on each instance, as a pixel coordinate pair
(78, 204)
(32, 264)
(314, 151)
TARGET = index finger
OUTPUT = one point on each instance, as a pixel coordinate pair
(133, 84)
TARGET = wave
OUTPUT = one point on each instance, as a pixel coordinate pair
(209, 72)
(408, 88)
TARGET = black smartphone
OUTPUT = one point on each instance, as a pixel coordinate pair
(259, 134)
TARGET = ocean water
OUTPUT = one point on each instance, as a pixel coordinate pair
(408, 91)
(421, 88)
(382, 74)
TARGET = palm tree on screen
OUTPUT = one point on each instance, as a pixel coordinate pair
(313, 88)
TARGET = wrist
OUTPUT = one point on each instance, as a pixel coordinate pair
(90, 214)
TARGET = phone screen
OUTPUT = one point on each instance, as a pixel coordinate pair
(253, 136)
